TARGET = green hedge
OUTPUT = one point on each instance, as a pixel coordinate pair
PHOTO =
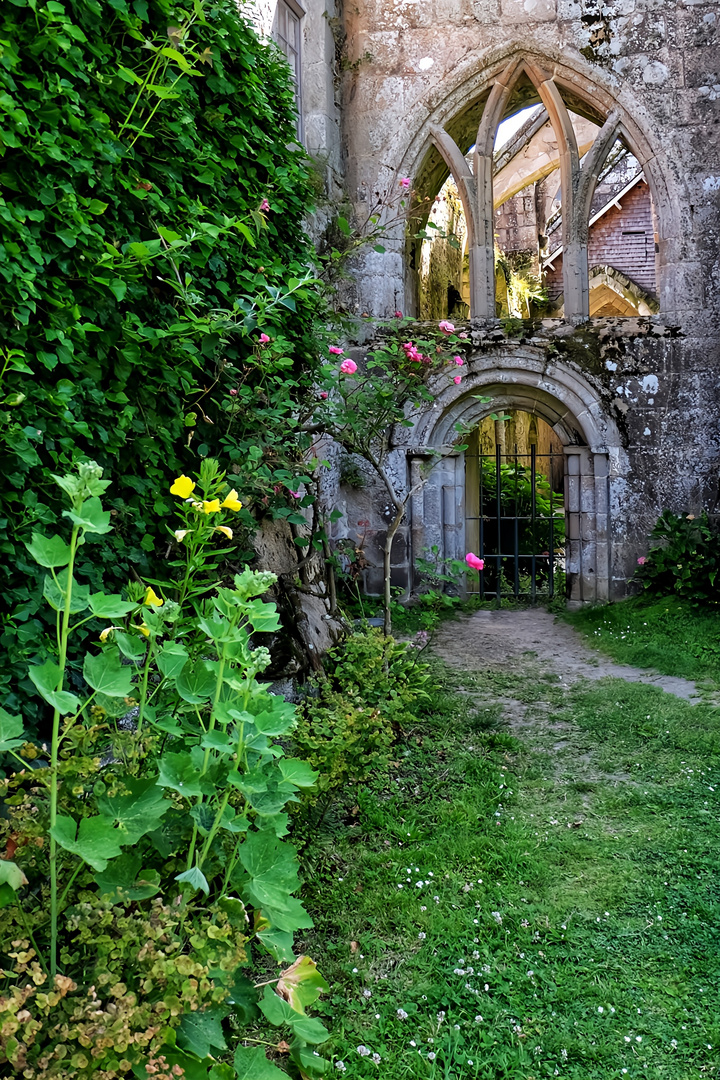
(119, 356)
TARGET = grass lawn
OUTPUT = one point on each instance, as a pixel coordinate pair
(669, 635)
(539, 906)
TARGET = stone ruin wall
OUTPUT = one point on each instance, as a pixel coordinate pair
(418, 62)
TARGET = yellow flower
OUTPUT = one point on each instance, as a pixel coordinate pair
(231, 501)
(152, 599)
(180, 534)
(183, 487)
(107, 631)
(225, 531)
(212, 507)
(143, 630)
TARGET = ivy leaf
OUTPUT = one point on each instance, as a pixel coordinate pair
(172, 659)
(123, 880)
(277, 1011)
(194, 877)
(201, 1032)
(178, 772)
(95, 840)
(106, 674)
(45, 677)
(106, 606)
(139, 811)
(297, 773)
(91, 517)
(251, 1064)
(50, 551)
(10, 728)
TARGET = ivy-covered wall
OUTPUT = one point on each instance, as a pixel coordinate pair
(138, 144)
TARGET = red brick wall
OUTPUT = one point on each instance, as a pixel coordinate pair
(623, 239)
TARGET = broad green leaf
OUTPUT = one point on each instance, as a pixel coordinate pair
(263, 617)
(279, 943)
(307, 1060)
(277, 1011)
(272, 869)
(290, 917)
(251, 1064)
(94, 840)
(301, 984)
(109, 606)
(124, 881)
(50, 551)
(296, 772)
(195, 878)
(12, 875)
(196, 684)
(218, 740)
(201, 1032)
(139, 811)
(244, 231)
(244, 998)
(344, 226)
(45, 677)
(178, 772)
(134, 647)
(105, 673)
(172, 659)
(90, 516)
(11, 728)
(276, 720)
(55, 593)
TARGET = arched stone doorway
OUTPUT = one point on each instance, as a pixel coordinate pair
(594, 461)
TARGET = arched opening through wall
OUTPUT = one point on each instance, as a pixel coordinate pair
(544, 210)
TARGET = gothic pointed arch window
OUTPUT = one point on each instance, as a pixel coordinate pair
(557, 211)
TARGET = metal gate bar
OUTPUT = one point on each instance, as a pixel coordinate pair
(517, 525)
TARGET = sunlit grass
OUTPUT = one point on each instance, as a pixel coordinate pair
(502, 909)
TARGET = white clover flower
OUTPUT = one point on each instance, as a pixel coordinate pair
(478, 1019)
(401, 1014)
(341, 1066)
(600, 1009)
(413, 1043)
(363, 1051)
(376, 1059)
(367, 993)
(421, 936)
(431, 1056)
(497, 917)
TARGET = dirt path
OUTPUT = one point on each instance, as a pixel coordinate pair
(494, 639)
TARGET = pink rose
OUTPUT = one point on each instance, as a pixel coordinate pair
(458, 360)
(398, 314)
(335, 350)
(265, 205)
(446, 327)
(233, 393)
(405, 182)
(264, 339)
(457, 379)
(348, 367)
(295, 494)
(642, 560)
(463, 336)
(473, 562)
(323, 395)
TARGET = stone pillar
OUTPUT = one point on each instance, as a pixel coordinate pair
(602, 527)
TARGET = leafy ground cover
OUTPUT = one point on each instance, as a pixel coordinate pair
(668, 634)
(542, 903)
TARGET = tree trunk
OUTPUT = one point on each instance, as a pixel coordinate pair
(387, 597)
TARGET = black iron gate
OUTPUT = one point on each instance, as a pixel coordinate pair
(518, 524)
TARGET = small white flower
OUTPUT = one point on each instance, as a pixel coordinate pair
(354, 971)
(600, 1009)
(478, 1019)
(377, 1059)
(431, 1056)
(413, 1043)
(367, 993)
(341, 1066)
(401, 1014)
(421, 936)
(638, 1038)
(363, 1051)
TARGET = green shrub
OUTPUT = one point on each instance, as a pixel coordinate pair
(373, 683)
(683, 559)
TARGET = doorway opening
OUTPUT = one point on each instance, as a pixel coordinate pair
(515, 508)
